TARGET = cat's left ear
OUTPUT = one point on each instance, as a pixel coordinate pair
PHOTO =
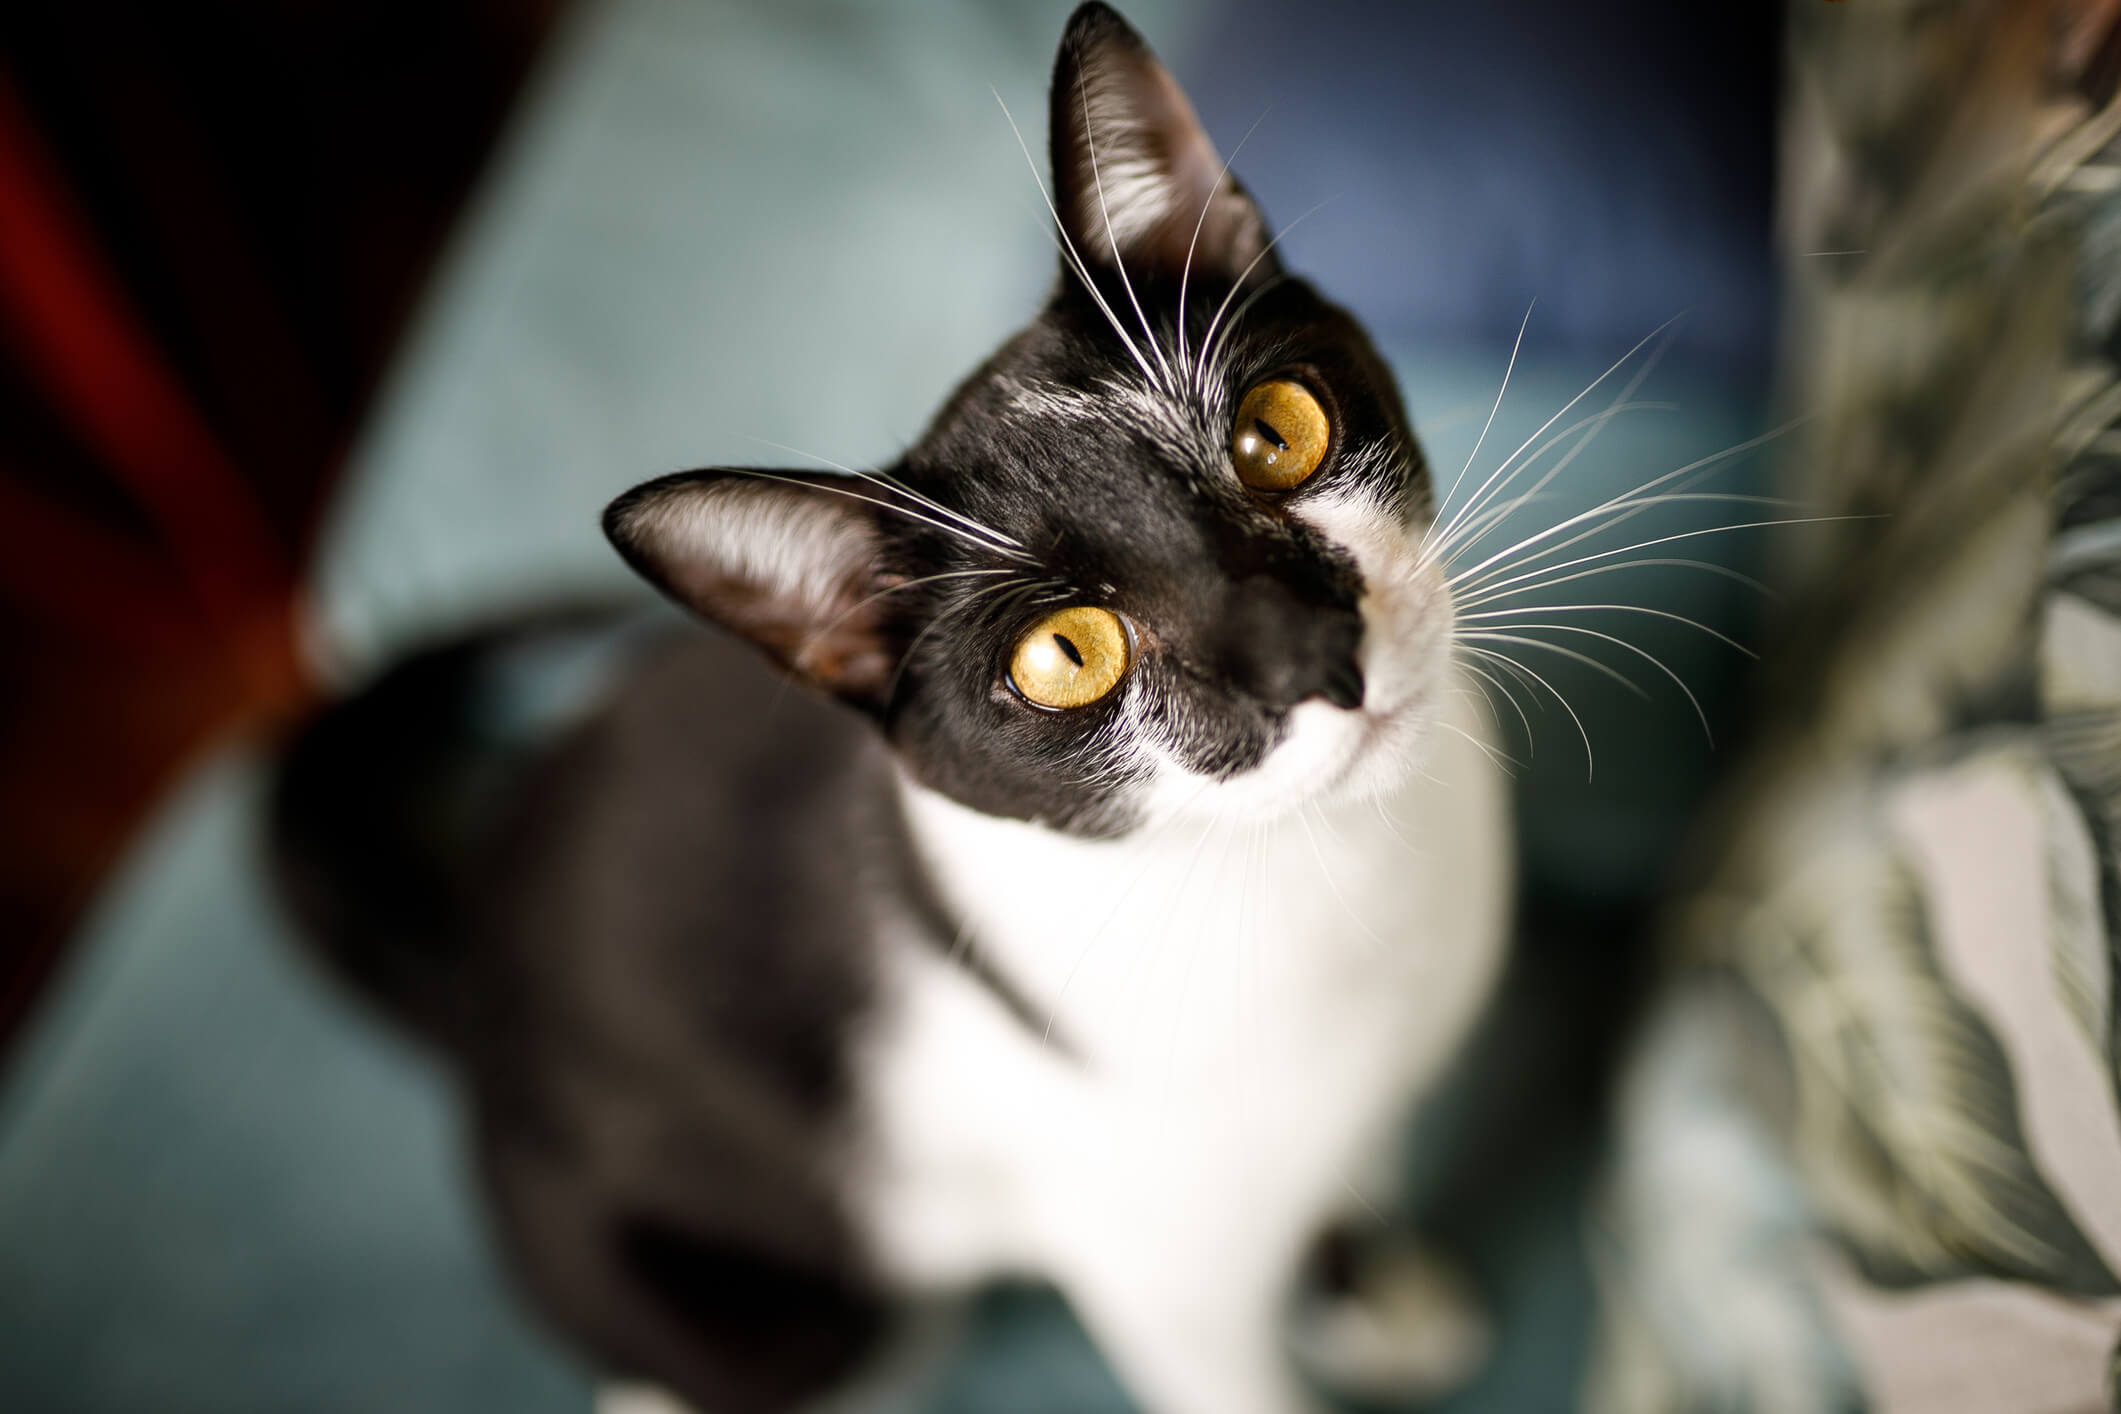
(1136, 182)
(787, 559)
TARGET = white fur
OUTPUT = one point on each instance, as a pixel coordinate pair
(1245, 996)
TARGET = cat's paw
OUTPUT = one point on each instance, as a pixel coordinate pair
(629, 1398)
(1388, 1321)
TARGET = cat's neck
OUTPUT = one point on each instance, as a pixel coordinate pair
(1186, 943)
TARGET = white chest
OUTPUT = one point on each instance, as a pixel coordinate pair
(1237, 1012)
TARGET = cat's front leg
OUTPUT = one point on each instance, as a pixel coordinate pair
(1183, 1273)
(1194, 1341)
(623, 1397)
(1385, 1319)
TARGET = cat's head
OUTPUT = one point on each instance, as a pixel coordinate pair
(1160, 555)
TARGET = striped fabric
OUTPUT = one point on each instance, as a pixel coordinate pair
(1870, 1144)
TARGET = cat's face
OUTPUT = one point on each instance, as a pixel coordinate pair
(1159, 556)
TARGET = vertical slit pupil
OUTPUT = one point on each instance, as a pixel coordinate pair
(1075, 655)
(1267, 431)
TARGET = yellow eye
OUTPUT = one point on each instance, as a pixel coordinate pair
(1070, 658)
(1280, 436)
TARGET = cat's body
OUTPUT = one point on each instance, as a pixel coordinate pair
(768, 1018)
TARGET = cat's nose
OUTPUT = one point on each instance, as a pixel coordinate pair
(1280, 650)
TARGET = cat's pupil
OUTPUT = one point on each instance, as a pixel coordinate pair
(1264, 456)
(1075, 655)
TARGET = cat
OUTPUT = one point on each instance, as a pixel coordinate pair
(1069, 853)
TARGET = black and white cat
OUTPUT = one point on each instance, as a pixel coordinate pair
(1154, 873)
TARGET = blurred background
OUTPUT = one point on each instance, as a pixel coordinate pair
(329, 327)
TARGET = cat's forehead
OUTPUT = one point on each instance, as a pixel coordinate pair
(1070, 420)
(1101, 460)
(1182, 427)
(1060, 385)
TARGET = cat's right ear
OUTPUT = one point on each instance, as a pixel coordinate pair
(1137, 185)
(787, 559)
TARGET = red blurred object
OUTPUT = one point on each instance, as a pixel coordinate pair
(213, 221)
(74, 335)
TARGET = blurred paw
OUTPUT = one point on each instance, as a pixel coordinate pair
(1387, 1321)
(638, 1399)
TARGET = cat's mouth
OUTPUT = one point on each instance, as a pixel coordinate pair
(1326, 756)
(1381, 726)
(1387, 736)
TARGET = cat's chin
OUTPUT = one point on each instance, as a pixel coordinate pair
(1328, 757)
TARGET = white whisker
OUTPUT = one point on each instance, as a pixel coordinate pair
(1621, 402)
(860, 604)
(1493, 514)
(1392, 827)
(1508, 696)
(1502, 661)
(1636, 498)
(893, 483)
(1186, 271)
(1640, 652)
(1208, 370)
(1590, 762)
(975, 597)
(1618, 609)
(1074, 257)
(1500, 393)
(1207, 340)
(1097, 181)
(1667, 540)
(1501, 762)
(1490, 635)
(1474, 601)
(944, 526)
(1541, 431)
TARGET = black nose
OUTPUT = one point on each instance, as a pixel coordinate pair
(1342, 684)
(1280, 650)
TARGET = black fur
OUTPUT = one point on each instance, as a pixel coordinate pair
(651, 967)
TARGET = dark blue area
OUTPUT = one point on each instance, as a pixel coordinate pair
(1614, 161)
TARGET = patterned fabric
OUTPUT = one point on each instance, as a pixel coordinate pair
(1870, 1144)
